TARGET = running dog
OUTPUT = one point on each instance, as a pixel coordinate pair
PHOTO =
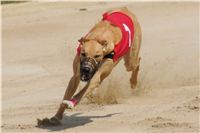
(117, 36)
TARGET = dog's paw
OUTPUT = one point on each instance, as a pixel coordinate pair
(54, 121)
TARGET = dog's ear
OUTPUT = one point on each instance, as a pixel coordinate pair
(104, 43)
(82, 40)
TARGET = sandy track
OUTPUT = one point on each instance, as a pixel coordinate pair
(39, 43)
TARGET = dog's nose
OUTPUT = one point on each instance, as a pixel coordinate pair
(85, 73)
(87, 70)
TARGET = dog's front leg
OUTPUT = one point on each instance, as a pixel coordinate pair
(71, 89)
(100, 74)
(72, 86)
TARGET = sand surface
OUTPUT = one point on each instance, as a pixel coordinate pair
(39, 43)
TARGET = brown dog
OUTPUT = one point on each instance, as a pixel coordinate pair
(116, 36)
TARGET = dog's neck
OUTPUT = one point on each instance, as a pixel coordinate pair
(105, 31)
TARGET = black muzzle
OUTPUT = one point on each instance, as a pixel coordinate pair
(88, 68)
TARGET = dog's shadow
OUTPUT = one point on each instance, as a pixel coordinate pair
(76, 120)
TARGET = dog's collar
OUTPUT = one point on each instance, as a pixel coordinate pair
(110, 55)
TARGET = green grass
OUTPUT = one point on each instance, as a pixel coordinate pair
(11, 2)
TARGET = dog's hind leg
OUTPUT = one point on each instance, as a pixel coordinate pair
(132, 64)
(134, 75)
(132, 59)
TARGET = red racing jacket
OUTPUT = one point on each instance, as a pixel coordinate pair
(125, 23)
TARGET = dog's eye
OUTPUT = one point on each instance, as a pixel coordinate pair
(97, 56)
(83, 54)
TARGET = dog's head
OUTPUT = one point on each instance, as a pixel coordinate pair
(91, 54)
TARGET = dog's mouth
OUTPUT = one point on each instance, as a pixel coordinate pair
(88, 68)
